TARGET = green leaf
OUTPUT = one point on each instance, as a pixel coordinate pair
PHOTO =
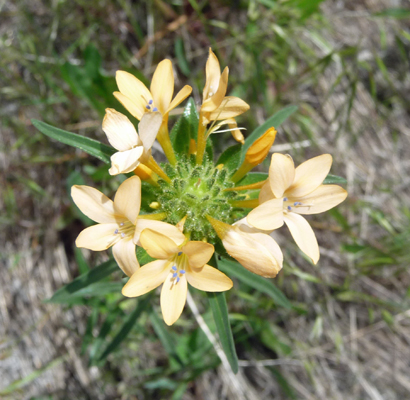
(220, 314)
(126, 328)
(181, 58)
(274, 121)
(394, 13)
(66, 293)
(164, 336)
(230, 157)
(334, 180)
(253, 177)
(185, 129)
(257, 282)
(90, 146)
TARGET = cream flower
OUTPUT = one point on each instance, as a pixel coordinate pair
(138, 100)
(290, 192)
(122, 135)
(216, 106)
(255, 250)
(119, 224)
(176, 266)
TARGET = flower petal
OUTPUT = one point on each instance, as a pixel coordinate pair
(127, 200)
(209, 279)
(229, 107)
(267, 216)
(135, 109)
(125, 161)
(149, 127)
(257, 252)
(134, 89)
(309, 175)
(158, 245)
(179, 98)
(120, 132)
(303, 235)
(94, 204)
(281, 173)
(147, 278)
(213, 102)
(173, 298)
(199, 253)
(213, 75)
(236, 133)
(124, 253)
(162, 85)
(321, 199)
(168, 230)
(98, 237)
(266, 193)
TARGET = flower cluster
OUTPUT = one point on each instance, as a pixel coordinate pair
(180, 211)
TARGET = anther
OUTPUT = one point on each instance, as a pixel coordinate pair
(174, 275)
(122, 224)
(182, 272)
(285, 199)
(122, 234)
(155, 109)
(178, 279)
(148, 107)
(174, 267)
(289, 208)
(179, 253)
(295, 203)
(151, 101)
(116, 231)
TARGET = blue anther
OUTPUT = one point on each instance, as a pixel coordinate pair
(116, 231)
(289, 208)
(179, 253)
(295, 203)
(178, 279)
(285, 199)
(174, 267)
(151, 101)
(182, 272)
(155, 109)
(148, 107)
(122, 234)
(174, 275)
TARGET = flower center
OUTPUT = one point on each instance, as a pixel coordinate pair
(291, 205)
(179, 263)
(150, 106)
(124, 229)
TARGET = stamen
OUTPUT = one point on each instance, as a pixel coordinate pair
(122, 234)
(285, 199)
(178, 279)
(295, 203)
(116, 232)
(174, 275)
(174, 267)
(122, 224)
(148, 107)
(179, 253)
(155, 109)
(151, 101)
(289, 208)
(182, 272)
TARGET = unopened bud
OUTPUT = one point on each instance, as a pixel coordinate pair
(260, 148)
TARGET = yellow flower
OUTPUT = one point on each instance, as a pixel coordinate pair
(216, 106)
(119, 224)
(255, 250)
(132, 148)
(176, 265)
(137, 99)
(290, 192)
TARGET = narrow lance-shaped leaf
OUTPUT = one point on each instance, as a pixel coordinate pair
(257, 282)
(96, 274)
(274, 121)
(90, 146)
(220, 314)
